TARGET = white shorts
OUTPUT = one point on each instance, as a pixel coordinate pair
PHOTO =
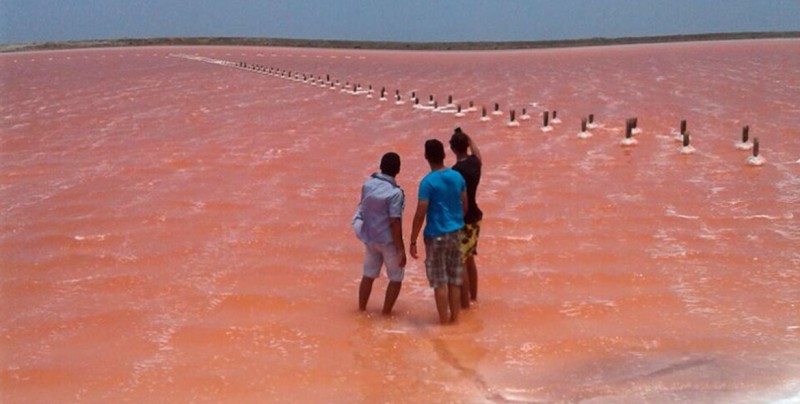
(376, 255)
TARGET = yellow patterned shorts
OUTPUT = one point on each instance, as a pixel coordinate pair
(469, 239)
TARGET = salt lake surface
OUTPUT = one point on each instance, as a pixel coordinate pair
(176, 228)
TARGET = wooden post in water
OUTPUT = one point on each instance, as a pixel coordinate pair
(683, 126)
(583, 125)
(628, 128)
(546, 120)
(496, 107)
(483, 112)
(591, 118)
(686, 139)
(745, 133)
(513, 115)
(755, 147)
(449, 99)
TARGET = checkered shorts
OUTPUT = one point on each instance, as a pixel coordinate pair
(443, 260)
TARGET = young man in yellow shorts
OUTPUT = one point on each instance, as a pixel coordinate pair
(468, 164)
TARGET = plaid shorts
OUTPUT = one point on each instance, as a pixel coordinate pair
(469, 239)
(443, 260)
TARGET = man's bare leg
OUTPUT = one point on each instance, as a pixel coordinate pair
(364, 291)
(472, 270)
(465, 289)
(455, 302)
(392, 291)
(441, 295)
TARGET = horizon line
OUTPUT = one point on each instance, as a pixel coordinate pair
(388, 45)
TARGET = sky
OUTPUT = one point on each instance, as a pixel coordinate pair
(24, 21)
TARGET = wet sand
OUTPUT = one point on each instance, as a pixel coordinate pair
(175, 230)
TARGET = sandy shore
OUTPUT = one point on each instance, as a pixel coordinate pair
(386, 45)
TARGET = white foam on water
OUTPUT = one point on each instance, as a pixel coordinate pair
(636, 131)
(547, 129)
(788, 216)
(592, 125)
(512, 124)
(687, 149)
(524, 117)
(556, 120)
(672, 213)
(584, 135)
(93, 237)
(498, 112)
(485, 119)
(460, 114)
(755, 161)
(629, 141)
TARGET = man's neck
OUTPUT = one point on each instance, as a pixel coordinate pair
(436, 166)
(461, 156)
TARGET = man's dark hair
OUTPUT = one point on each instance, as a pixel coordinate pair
(459, 142)
(434, 151)
(390, 164)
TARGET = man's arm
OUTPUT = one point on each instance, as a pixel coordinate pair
(474, 148)
(464, 206)
(396, 225)
(416, 225)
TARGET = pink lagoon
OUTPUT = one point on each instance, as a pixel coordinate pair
(176, 228)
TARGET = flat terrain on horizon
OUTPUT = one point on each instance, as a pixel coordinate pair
(386, 45)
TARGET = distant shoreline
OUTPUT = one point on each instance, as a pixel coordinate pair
(387, 45)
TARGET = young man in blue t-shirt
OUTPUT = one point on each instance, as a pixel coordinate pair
(443, 203)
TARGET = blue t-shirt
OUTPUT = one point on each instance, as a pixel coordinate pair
(442, 189)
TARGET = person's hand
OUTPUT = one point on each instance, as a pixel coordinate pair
(413, 250)
(402, 258)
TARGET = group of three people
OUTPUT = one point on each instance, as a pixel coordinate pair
(448, 208)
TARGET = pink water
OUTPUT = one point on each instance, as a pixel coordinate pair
(175, 230)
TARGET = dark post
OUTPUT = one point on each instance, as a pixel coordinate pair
(683, 126)
(591, 118)
(459, 109)
(745, 133)
(524, 111)
(685, 139)
(449, 99)
(628, 128)
(755, 147)
(546, 119)
(483, 111)
(513, 113)
(555, 114)
(583, 125)
(496, 106)
(430, 98)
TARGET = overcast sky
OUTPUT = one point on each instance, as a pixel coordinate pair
(395, 20)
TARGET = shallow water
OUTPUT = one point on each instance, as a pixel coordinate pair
(178, 230)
